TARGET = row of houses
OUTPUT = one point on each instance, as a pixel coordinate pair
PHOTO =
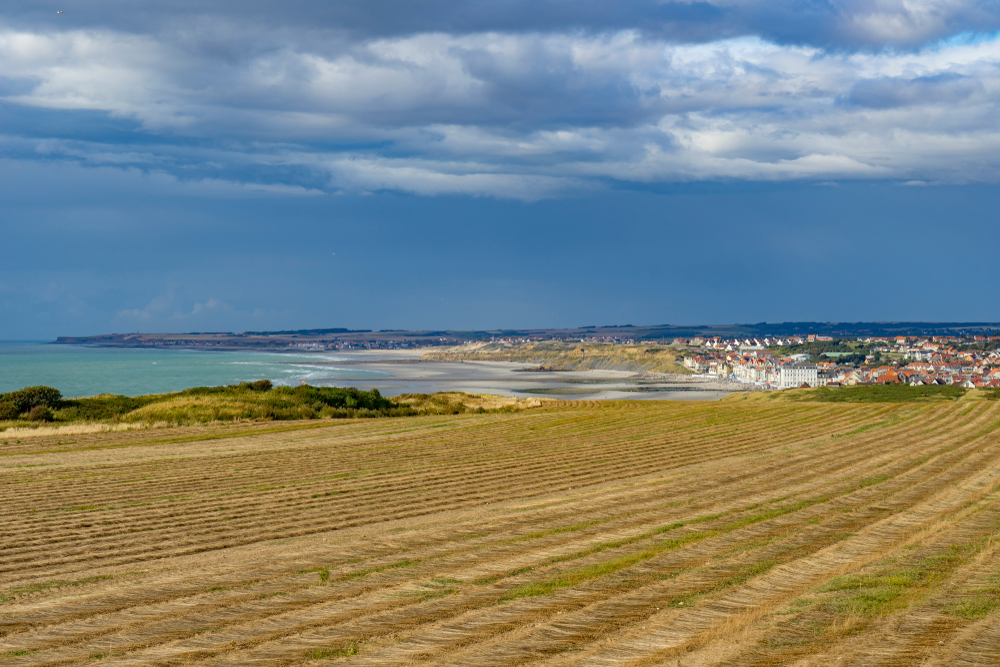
(335, 345)
(760, 369)
(719, 343)
(764, 370)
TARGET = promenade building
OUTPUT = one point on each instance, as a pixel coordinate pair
(794, 375)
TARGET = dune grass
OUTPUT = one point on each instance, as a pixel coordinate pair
(557, 355)
(244, 402)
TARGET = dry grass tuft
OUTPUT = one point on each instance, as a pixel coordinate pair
(454, 402)
(76, 429)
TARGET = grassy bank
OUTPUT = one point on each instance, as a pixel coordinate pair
(255, 401)
(554, 355)
(889, 393)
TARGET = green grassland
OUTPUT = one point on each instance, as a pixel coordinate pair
(258, 401)
(248, 401)
(557, 355)
(888, 393)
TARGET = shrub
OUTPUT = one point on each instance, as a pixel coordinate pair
(255, 385)
(8, 411)
(40, 413)
(106, 407)
(257, 399)
(336, 397)
(258, 385)
(27, 398)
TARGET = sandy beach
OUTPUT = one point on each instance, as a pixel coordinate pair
(406, 372)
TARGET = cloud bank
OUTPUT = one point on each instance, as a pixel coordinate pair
(511, 100)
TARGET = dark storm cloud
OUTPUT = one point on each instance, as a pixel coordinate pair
(196, 165)
(843, 23)
(514, 99)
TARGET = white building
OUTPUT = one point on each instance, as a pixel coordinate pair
(793, 375)
(697, 364)
(920, 354)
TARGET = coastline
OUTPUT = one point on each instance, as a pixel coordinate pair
(406, 372)
(86, 371)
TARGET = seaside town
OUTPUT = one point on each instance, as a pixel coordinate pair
(815, 361)
(961, 359)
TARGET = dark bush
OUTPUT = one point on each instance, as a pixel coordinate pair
(847, 359)
(40, 413)
(8, 411)
(348, 397)
(257, 385)
(101, 408)
(27, 398)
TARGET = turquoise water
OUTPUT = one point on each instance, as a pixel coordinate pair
(85, 371)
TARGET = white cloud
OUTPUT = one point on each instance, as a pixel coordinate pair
(903, 21)
(166, 310)
(157, 307)
(520, 115)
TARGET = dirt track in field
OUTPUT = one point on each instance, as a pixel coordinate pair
(580, 534)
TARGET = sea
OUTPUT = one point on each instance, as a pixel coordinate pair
(88, 371)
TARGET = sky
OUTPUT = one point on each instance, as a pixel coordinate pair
(224, 166)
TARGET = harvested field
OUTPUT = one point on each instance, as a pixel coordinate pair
(734, 533)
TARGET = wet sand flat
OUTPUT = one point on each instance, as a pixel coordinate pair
(406, 372)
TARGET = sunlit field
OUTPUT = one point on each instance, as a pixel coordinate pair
(737, 533)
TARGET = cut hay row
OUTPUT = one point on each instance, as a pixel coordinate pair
(64, 527)
(592, 534)
(604, 622)
(184, 486)
(91, 502)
